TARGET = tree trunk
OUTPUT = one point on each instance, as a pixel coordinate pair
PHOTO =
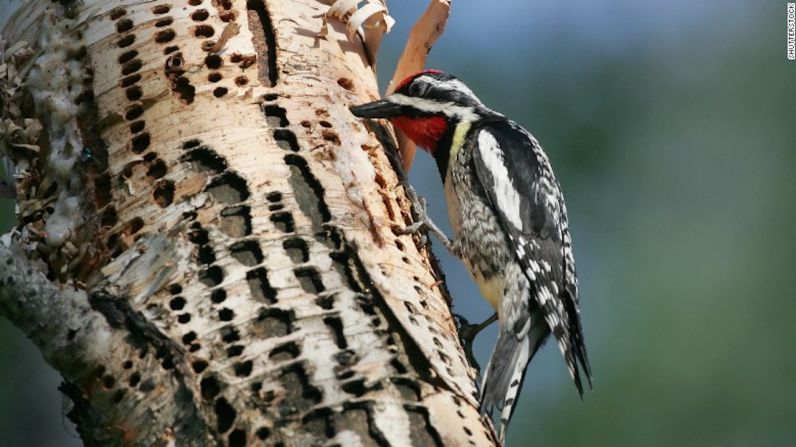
(206, 246)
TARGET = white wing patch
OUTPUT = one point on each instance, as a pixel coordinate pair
(508, 198)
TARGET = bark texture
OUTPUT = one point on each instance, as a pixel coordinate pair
(206, 245)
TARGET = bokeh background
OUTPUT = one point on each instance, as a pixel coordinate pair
(671, 126)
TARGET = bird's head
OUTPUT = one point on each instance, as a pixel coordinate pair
(424, 106)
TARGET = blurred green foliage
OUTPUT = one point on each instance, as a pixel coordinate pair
(671, 128)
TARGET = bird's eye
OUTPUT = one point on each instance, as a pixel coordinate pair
(418, 89)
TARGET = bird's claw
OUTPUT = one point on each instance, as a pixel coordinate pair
(467, 333)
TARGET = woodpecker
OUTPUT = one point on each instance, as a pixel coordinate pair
(509, 220)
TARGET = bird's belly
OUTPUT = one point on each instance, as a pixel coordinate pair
(491, 289)
(478, 241)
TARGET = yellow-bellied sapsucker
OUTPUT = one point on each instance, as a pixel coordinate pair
(510, 222)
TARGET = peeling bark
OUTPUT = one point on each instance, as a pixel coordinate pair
(207, 247)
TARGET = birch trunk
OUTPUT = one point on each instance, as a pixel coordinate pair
(206, 246)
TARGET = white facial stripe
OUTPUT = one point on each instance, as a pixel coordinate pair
(508, 198)
(450, 84)
(431, 106)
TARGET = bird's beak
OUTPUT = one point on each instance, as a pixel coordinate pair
(382, 108)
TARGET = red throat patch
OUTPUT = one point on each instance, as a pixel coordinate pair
(425, 132)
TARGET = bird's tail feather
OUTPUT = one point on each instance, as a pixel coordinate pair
(505, 373)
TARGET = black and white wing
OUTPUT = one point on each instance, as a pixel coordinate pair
(523, 191)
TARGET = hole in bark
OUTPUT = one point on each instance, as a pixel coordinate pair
(214, 76)
(229, 187)
(184, 318)
(259, 286)
(205, 159)
(130, 80)
(124, 25)
(263, 433)
(167, 35)
(200, 15)
(199, 366)
(229, 334)
(309, 191)
(273, 322)
(191, 144)
(220, 91)
(164, 193)
(288, 351)
(133, 226)
(211, 276)
(218, 296)
(170, 49)
(135, 379)
(194, 2)
(134, 112)
(336, 326)
(234, 351)
(226, 314)
(345, 358)
(198, 235)
(125, 41)
(109, 217)
(213, 61)
(189, 338)
(204, 31)
(137, 126)
(227, 16)
(355, 387)
(140, 142)
(164, 22)
(283, 222)
(177, 303)
(157, 169)
(346, 83)
(286, 140)
(300, 395)
(184, 90)
(240, 81)
(325, 302)
(236, 221)
(319, 423)
(263, 36)
(297, 250)
(108, 382)
(237, 438)
(206, 255)
(275, 116)
(243, 369)
(127, 56)
(276, 207)
(274, 196)
(270, 96)
(127, 364)
(117, 12)
(331, 136)
(161, 9)
(209, 387)
(309, 279)
(326, 124)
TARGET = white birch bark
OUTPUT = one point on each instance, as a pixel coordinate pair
(206, 246)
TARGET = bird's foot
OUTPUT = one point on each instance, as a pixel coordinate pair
(424, 222)
(467, 334)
